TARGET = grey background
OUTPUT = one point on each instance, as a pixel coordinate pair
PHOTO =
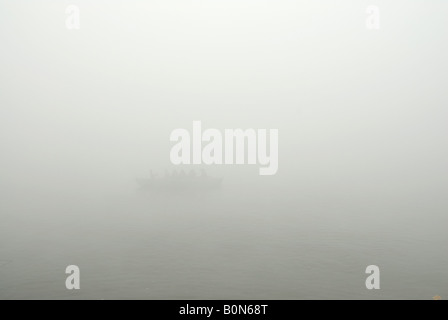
(362, 173)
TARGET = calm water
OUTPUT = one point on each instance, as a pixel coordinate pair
(220, 245)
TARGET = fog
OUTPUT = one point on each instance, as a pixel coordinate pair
(362, 175)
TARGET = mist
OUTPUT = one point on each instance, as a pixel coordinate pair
(361, 118)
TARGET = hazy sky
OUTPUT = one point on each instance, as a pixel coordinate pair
(101, 101)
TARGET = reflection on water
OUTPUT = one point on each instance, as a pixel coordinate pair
(219, 245)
